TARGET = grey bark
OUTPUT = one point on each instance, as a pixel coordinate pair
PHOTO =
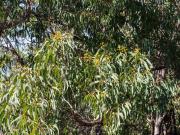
(158, 124)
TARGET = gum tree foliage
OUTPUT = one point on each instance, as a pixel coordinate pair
(106, 85)
(89, 66)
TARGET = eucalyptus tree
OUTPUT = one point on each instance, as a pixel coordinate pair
(73, 61)
(105, 85)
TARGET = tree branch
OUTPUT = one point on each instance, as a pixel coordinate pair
(13, 51)
(80, 119)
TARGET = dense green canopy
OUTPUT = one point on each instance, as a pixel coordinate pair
(89, 67)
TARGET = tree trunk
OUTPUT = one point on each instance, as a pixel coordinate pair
(157, 128)
(164, 129)
(151, 121)
(174, 122)
(152, 128)
(169, 123)
(158, 124)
